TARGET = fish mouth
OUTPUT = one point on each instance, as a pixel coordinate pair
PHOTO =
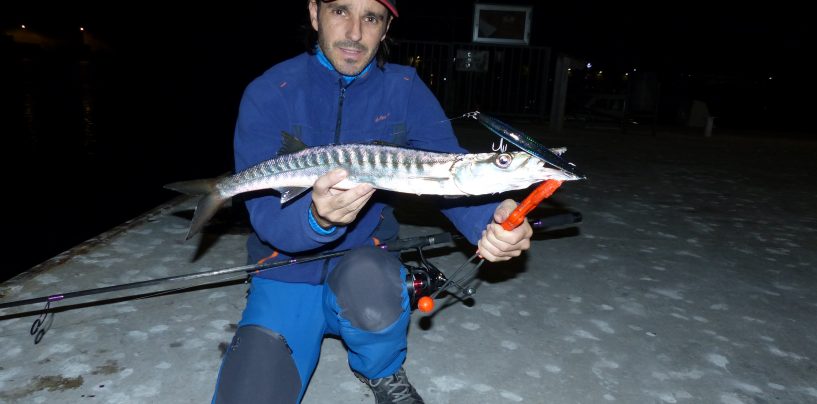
(570, 174)
(549, 171)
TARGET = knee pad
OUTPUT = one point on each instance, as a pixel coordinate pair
(368, 288)
(257, 367)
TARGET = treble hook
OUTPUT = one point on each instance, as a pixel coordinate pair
(502, 148)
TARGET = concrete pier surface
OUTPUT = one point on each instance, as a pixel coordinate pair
(692, 279)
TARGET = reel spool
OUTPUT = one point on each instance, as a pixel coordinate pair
(421, 283)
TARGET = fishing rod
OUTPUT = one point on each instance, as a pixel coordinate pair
(251, 269)
(398, 245)
(43, 322)
(423, 282)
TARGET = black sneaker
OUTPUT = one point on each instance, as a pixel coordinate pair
(393, 389)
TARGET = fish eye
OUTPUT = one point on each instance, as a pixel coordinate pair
(503, 160)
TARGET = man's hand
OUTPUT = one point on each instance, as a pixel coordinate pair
(498, 244)
(336, 207)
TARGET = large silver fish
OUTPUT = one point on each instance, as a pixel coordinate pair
(384, 167)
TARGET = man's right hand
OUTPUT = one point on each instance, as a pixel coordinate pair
(337, 207)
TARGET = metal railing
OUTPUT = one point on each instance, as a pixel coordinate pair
(502, 80)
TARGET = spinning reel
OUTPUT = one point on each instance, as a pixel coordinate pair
(426, 281)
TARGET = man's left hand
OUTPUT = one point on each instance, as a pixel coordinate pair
(498, 244)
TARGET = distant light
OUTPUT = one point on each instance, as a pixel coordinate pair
(82, 28)
(570, 69)
(23, 26)
(634, 69)
(771, 77)
(626, 74)
(589, 65)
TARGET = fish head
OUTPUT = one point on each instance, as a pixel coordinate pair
(489, 173)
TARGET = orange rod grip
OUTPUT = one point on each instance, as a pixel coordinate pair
(543, 191)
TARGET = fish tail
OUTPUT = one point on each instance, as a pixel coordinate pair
(207, 206)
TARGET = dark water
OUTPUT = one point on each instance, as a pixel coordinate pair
(89, 140)
(89, 137)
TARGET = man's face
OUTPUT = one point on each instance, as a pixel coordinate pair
(349, 32)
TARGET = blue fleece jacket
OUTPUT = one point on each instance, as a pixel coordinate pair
(302, 97)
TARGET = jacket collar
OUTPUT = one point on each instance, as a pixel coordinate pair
(329, 74)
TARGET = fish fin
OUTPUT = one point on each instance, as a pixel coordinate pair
(290, 144)
(289, 193)
(207, 207)
(194, 187)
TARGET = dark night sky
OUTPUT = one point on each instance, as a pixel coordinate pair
(684, 36)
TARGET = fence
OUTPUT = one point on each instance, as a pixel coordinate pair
(496, 79)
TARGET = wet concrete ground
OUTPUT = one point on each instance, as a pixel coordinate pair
(691, 280)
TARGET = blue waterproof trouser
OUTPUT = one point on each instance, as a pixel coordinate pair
(364, 302)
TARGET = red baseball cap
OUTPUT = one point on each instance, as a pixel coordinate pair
(390, 4)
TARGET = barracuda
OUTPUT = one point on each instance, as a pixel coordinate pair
(383, 166)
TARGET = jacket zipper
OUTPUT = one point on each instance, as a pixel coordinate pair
(325, 268)
(340, 111)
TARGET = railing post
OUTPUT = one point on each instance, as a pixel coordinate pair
(449, 74)
(557, 108)
(543, 96)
